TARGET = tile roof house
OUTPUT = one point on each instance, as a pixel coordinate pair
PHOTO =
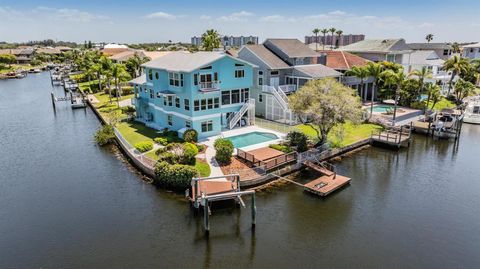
(342, 60)
(23, 55)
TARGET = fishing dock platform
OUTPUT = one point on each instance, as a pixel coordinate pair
(329, 182)
(395, 137)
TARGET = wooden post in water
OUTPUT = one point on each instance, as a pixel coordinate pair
(254, 211)
(53, 100)
(71, 97)
(206, 216)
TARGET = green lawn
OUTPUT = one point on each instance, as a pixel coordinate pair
(25, 67)
(135, 132)
(202, 166)
(351, 133)
(443, 103)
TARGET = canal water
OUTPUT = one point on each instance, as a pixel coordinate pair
(67, 203)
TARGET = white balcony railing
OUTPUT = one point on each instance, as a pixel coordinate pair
(210, 85)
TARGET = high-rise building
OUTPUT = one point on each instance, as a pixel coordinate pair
(335, 41)
(229, 41)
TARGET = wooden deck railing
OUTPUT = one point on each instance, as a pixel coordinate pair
(267, 164)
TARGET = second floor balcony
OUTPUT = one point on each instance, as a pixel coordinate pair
(208, 86)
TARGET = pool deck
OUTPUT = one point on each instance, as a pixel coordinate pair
(210, 152)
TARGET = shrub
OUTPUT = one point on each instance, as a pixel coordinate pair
(144, 146)
(161, 141)
(224, 150)
(171, 136)
(175, 176)
(201, 147)
(104, 135)
(191, 136)
(127, 90)
(189, 153)
(298, 140)
(129, 110)
(282, 148)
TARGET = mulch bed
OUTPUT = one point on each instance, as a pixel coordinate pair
(238, 167)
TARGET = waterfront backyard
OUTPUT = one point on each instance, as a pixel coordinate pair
(78, 205)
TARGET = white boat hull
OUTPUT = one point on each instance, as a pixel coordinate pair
(471, 120)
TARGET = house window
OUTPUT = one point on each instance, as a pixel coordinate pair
(239, 73)
(274, 73)
(196, 105)
(216, 102)
(151, 94)
(235, 96)
(195, 79)
(207, 126)
(177, 102)
(186, 102)
(260, 98)
(204, 104)
(210, 103)
(244, 95)
(156, 75)
(215, 76)
(226, 98)
(164, 100)
(176, 79)
(188, 124)
(170, 120)
(445, 52)
(170, 100)
(260, 78)
(150, 74)
(206, 78)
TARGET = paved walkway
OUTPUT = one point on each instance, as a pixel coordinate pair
(126, 102)
(93, 99)
(210, 157)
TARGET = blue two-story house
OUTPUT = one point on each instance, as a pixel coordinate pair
(205, 91)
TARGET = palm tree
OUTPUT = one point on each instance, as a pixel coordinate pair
(362, 74)
(332, 30)
(375, 71)
(421, 74)
(324, 32)
(456, 65)
(455, 47)
(210, 40)
(107, 66)
(315, 32)
(394, 78)
(431, 89)
(339, 34)
(429, 38)
(463, 89)
(119, 74)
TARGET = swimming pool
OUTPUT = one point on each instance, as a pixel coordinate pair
(381, 108)
(248, 139)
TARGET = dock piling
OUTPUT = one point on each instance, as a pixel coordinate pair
(254, 211)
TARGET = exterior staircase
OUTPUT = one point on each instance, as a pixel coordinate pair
(249, 107)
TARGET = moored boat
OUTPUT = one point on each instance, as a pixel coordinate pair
(472, 112)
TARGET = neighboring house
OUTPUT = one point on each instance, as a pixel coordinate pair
(49, 50)
(284, 65)
(379, 50)
(471, 51)
(443, 50)
(432, 61)
(343, 62)
(113, 48)
(206, 91)
(23, 55)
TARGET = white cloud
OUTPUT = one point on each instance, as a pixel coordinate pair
(67, 14)
(205, 17)
(273, 18)
(236, 16)
(337, 13)
(426, 25)
(161, 15)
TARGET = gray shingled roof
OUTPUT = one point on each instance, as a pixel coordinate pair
(187, 62)
(425, 57)
(377, 46)
(292, 47)
(140, 80)
(430, 46)
(267, 56)
(316, 71)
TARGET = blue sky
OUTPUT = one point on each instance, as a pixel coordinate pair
(163, 20)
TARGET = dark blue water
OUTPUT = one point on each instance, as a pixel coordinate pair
(66, 203)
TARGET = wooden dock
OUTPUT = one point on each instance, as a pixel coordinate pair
(327, 183)
(396, 137)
